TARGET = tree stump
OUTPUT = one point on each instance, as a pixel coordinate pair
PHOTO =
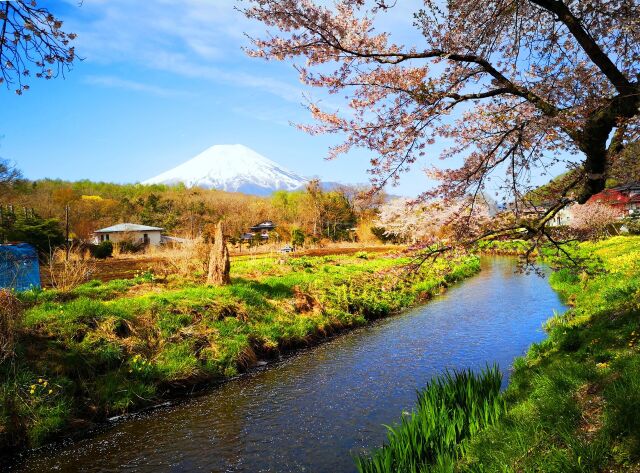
(219, 265)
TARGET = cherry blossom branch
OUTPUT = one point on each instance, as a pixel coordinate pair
(32, 37)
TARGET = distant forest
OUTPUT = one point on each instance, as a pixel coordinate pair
(345, 213)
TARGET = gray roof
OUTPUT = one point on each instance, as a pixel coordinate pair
(175, 239)
(128, 227)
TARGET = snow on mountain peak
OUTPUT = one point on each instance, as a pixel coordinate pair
(234, 168)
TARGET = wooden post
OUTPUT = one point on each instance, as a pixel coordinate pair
(66, 230)
(219, 265)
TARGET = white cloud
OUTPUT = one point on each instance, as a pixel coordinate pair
(119, 83)
(197, 39)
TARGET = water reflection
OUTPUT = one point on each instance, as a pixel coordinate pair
(312, 412)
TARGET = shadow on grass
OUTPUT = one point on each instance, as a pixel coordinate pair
(270, 289)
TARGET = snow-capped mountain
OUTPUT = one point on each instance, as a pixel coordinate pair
(234, 168)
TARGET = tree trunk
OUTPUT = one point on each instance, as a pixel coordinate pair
(219, 265)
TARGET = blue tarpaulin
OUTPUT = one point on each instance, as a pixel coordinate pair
(19, 267)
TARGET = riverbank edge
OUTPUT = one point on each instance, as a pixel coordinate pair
(463, 268)
(572, 400)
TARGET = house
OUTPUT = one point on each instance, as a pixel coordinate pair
(263, 229)
(563, 217)
(625, 199)
(130, 232)
(248, 237)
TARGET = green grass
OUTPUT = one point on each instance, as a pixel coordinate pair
(503, 247)
(110, 348)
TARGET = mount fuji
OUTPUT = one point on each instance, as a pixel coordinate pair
(232, 168)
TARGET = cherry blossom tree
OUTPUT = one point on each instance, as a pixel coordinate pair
(424, 223)
(516, 86)
(594, 220)
(404, 221)
(32, 43)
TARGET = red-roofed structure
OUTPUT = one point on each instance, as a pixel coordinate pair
(625, 199)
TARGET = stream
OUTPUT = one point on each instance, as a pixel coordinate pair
(313, 411)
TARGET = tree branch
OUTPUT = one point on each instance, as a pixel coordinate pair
(587, 43)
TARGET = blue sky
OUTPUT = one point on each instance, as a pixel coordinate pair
(160, 82)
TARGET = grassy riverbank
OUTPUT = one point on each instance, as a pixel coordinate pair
(108, 348)
(572, 403)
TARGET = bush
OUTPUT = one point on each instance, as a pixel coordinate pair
(102, 251)
(301, 263)
(190, 260)
(297, 238)
(633, 226)
(362, 255)
(43, 234)
(10, 318)
(130, 246)
(69, 271)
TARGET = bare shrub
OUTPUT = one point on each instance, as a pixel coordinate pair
(69, 272)
(189, 260)
(10, 319)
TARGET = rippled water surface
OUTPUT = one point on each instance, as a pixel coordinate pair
(314, 411)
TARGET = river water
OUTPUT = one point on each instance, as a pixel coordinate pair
(315, 410)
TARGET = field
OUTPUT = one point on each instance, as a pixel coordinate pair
(105, 348)
(127, 266)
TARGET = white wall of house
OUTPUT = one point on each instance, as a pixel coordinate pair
(563, 217)
(152, 237)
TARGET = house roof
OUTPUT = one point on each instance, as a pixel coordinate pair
(619, 196)
(172, 239)
(128, 227)
(631, 186)
(266, 225)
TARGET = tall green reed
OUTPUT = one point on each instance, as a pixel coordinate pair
(451, 409)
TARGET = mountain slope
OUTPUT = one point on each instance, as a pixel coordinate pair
(233, 168)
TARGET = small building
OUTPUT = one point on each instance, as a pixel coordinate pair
(19, 267)
(130, 232)
(263, 229)
(248, 237)
(563, 217)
